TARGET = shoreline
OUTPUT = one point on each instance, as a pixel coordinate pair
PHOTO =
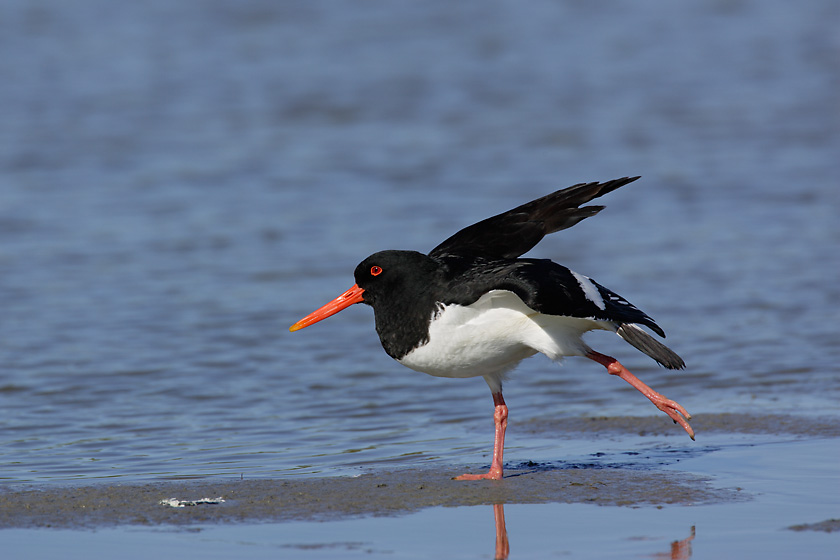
(640, 482)
(321, 499)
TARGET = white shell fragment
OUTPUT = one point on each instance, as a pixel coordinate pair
(174, 502)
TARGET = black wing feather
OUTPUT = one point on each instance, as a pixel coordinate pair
(515, 232)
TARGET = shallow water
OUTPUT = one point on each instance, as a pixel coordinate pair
(180, 182)
(752, 499)
(183, 184)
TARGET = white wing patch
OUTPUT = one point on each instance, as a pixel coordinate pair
(590, 290)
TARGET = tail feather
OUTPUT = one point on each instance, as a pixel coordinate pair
(634, 335)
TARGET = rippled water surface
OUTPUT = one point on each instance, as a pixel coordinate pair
(180, 182)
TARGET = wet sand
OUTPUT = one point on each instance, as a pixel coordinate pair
(404, 491)
(389, 493)
(732, 423)
(827, 526)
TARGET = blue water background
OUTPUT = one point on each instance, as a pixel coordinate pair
(181, 181)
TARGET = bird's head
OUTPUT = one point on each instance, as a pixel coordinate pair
(380, 278)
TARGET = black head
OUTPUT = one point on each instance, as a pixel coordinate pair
(403, 288)
(390, 275)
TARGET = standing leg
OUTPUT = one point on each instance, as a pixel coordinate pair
(500, 415)
(672, 408)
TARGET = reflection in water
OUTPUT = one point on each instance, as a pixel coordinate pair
(680, 550)
(502, 544)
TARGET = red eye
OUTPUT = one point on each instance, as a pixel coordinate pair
(375, 270)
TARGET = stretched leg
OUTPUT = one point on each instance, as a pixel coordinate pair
(672, 408)
(500, 415)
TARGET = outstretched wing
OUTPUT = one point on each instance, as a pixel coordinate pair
(515, 232)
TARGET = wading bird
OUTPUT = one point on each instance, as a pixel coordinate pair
(472, 307)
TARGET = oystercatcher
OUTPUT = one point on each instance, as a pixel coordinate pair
(472, 308)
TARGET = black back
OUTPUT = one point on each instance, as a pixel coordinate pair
(543, 285)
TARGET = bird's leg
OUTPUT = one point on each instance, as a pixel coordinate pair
(500, 415)
(672, 408)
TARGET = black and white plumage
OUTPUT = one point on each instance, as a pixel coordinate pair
(472, 307)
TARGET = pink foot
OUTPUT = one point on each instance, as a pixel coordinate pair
(492, 474)
(674, 410)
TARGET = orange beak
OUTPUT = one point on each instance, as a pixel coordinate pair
(348, 298)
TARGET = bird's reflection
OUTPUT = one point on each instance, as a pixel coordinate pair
(502, 544)
(680, 550)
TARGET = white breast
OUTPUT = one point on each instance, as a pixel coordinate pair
(492, 335)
